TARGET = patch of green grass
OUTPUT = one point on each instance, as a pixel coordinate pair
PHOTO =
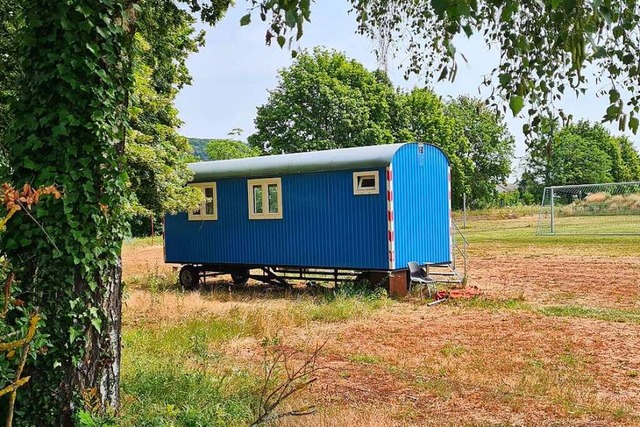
(340, 308)
(492, 304)
(606, 314)
(165, 393)
(173, 376)
(621, 412)
(494, 236)
(453, 350)
(436, 385)
(575, 311)
(347, 302)
(188, 338)
(365, 359)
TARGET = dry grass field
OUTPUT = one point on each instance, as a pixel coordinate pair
(553, 341)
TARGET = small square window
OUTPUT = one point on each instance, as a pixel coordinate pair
(265, 198)
(365, 183)
(208, 208)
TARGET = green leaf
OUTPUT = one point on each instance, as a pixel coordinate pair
(516, 103)
(440, 6)
(505, 79)
(29, 164)
(73, 334)
(281, 41)
(245, 20)
(291, 18)
(633, 124)
(613, 111)
(614, 96)
(97, 323)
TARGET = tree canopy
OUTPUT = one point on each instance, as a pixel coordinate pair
(580, 153)
(156, 156)
(491, 147)
(223, 149)
(546, 47)
(325, 100)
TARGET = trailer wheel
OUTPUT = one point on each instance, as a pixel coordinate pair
(240, 277)
(189, 277)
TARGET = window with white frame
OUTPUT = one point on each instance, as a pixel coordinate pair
(208, 208)
(265, 198)
(366, 183)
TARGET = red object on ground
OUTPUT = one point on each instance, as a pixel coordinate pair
(465, 293)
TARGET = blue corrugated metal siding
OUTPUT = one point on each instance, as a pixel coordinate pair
(421, 205)
(324, 225)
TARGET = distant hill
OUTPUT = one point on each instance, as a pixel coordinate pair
(198, 145)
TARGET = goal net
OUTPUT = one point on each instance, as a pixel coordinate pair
(612, 208)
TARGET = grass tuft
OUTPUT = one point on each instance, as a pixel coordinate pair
(365, 359)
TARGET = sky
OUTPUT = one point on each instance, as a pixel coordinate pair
(234, 71)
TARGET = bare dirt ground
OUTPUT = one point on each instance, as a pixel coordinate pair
(460, 364)
(596, 281)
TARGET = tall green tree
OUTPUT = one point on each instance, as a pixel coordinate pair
(88, 78)
(427, 121)
(580, 153)
(630, 171)
(491, 146)
(67, 129)
(156, 155)
(579, 160)
(324, 101)
(223, 149)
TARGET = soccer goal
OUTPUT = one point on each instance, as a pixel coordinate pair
(598, 209)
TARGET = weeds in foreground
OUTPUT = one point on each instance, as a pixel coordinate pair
(279, 362)
(155, 280)
(181, 373)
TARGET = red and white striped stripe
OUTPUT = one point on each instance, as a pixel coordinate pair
(390, 220)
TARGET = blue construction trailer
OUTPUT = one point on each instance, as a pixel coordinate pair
(363, 212)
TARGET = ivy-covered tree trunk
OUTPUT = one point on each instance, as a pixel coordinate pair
(68, 130)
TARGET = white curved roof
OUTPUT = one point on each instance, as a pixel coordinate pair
(281, 164)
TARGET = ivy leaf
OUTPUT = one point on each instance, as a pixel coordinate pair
(97, 323)
(29, 164)
(516, 103)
